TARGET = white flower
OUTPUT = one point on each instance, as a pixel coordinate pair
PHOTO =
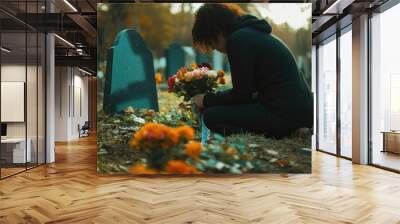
(212, 73)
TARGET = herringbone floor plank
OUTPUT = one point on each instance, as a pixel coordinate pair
(70, 191)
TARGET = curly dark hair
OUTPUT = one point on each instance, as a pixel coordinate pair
(213, 20)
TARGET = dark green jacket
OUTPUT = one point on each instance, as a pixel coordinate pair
(264, 70)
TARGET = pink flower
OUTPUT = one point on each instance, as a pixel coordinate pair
(204, 70)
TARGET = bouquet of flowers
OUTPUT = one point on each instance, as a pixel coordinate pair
(198, 79)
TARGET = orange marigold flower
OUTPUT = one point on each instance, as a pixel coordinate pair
(158, 77)
(193, 149)
(173, 137)
(152, 133)
(141, 169)
(221, 73)
(221, 80)
(186, 132)
(180, 167)
(133, 144)
(182, 70)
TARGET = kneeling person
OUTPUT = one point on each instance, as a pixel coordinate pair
(269, 95)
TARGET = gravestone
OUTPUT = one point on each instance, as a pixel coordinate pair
(129, 80)
(189, 55)
(175, 56)
(217, 60)
(159, 63)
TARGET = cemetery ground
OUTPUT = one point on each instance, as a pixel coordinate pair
(265, 155)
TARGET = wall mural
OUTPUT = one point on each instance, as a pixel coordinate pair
(210, 89)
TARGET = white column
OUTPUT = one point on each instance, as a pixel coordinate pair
(50, 92)
(50, 110)
(360, 90)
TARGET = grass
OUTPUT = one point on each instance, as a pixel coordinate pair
(288, 155)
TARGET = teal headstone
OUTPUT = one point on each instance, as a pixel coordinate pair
(175, 56)
(217, 60)
(189, 55)
(129, 79)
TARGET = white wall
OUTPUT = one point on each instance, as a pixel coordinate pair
(33, 127)
(16, 72)
(62, 81)
(71, 94)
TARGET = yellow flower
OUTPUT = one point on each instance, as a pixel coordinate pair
(193, 65)
(193, 149)
(158, 78)
(141, 169)
(221, 73)
(186, 132)
(231, 151)
(221, 80)
(180, 167)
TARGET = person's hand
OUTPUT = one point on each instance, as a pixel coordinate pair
(198, 100)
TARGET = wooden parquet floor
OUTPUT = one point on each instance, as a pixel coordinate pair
(70, 191)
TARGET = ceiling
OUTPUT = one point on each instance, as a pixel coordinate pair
(75, 21)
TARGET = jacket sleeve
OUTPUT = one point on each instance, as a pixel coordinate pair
(242, 59)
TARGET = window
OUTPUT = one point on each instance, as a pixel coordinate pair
(327, 95)
(385, 88)
(22, 76)
(346, 92)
